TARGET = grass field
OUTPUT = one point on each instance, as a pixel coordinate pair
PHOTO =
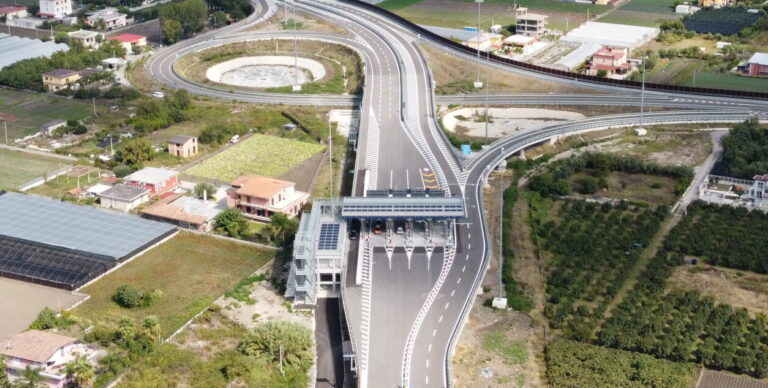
(19, 168)
(730, 81)
(461, 13)
(191, 271)
(34, 109)
(647, 13)
(259, 154)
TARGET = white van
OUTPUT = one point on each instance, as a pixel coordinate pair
(234, 139)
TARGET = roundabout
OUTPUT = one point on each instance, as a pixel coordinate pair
(266, 71)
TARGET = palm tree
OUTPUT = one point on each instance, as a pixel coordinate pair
(150, 325)
(80, 372)
(31, 378)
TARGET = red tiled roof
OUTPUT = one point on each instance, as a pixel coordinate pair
(11, 8)
(128, 38)
(610, 52)
(763, 178)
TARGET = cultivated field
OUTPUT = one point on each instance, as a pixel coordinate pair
(191, 271)
(641, 13)
(19, 168)
(461, 13)
(259, 154)
(35, 109)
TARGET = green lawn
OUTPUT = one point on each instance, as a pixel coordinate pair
(19, 168)
(650, 6)
(191, 271)
(730, 81)
(34, 109)
(259, 154)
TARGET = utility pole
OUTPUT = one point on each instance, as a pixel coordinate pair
(478, 83)
(642, 92)
(93, 100)
(501, 229)
(282, 372)
(5, 126)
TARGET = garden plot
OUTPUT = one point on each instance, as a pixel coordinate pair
(258, 154)
(33, 109)
(19, 168)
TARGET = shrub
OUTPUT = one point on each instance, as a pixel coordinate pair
(232, 222)
(204, 189)
(132, 297)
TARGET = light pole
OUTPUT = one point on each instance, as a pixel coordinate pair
(478, 83)
(501, 224)
(487, 91)
(642, 92)
(296, 86)
(487, 374)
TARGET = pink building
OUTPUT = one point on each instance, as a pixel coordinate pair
(259, 197)
(47, 352)
(13, 12)
(157, 180)
(611, 59)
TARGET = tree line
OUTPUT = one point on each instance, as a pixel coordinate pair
(744, 151)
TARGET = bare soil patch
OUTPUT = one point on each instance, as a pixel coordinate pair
(655, 190)
(25, 300)
(737, 288)
(454, 75)
(307, 22)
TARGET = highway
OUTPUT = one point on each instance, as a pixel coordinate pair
(406, 323)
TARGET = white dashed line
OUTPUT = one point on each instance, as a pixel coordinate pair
(464, 268)
(446, 307)
(429, 349)
(453, 292)
(434, 332)
(440, 319)
(427, 363)
(458, 281)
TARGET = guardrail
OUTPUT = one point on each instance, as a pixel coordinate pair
(429, 35)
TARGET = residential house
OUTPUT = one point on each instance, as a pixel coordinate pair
(614, 60)
(185, 212)
(113, 63)
(157, 180)
(130, 41)
(123, 197)
(758, 64)
(48, 128)
(11, 12)
(531, 24)
(89, 39)
(110, 18)
(521, 43)
(59, 79)
(182, 145)
(55, 9)
(47, 352)
(259, 197)
(487, 41)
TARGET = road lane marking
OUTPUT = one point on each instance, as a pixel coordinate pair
(434, 332)
(469, 246)
(464, 268)
(440, 319)
(453, 292)
(426, 380)
(458, 281)
(467, 259)
(427, 363)
(447, 304)
(429, 349)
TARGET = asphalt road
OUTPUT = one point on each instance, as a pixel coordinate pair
(330, 368)
(416, 313)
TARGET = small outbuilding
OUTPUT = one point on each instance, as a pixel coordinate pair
(157, 180)
(123, 197)
(130, 41)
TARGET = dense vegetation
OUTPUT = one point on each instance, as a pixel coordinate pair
(183, 19)
(744, 151)
(554, 181)
(132, 297)
(724, 236)
(593, 247)
(26, 74)
(686, 326)
(574, 364)
(516, 296)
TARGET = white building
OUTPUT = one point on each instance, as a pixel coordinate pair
(12, 12)
(89, 39)
(55, 9)
(735, 192)
(111, 18)
(47, 352)
(123, 197)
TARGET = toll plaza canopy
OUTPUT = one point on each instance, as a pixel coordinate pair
(403, 207)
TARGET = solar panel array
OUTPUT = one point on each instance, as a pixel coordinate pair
(49, 265)
(81, 228)
(329, 237)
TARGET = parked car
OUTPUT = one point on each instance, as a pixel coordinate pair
(352, 234)
(158, 94)
(377, 227)
(114, 107)
(234, 139)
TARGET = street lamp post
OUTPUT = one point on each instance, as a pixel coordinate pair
(642, 93)
(478, 83)
(296, 85)
(487, 91)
